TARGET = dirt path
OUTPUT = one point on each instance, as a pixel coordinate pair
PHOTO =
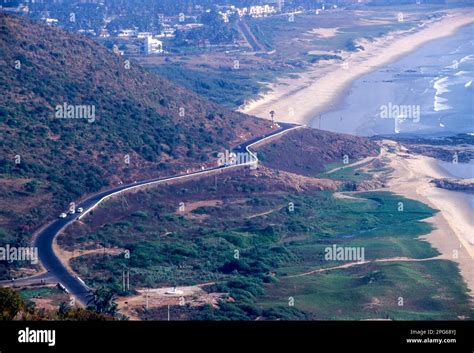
(346, 196)
(362, 161)
(352, 264)
(265, 213)
(249, 36)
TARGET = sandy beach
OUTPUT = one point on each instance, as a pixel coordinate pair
(299, 100)
(454, 233)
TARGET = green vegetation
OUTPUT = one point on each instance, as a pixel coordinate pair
(291, 40)
(11, 303)
(346, 173)
(230, 88)
(102, 301)
(30, 293)
(17, 306)
(13, 240)
(397, 291)
(283, 48)
(251, 259)
(214, 30)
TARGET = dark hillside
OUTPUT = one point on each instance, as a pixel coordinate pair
(140, 124)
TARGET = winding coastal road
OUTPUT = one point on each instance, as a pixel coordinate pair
(57, 271)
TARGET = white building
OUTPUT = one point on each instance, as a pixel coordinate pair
(153, 46)
(127, 33)
(51, 21)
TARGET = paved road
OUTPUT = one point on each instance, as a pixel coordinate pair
(249, 36)
(42, 278)
(44, 239)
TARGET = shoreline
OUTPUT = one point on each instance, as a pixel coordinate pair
(321, 88)
(453, 235)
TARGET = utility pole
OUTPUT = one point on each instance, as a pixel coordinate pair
(125, 279)
(128, 279)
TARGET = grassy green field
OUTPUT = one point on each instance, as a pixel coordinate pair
(39, 292)
(345, 173)
(397, 291)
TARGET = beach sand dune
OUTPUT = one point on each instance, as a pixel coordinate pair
(454, 233)
(298, 100)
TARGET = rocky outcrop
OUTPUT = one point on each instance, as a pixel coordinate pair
(465, 185)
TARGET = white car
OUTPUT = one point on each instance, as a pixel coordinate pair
(80, 210)
(80, 280)
(63, 215)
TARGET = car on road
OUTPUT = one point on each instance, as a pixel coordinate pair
(63, 215)
(64, 289)
(80, 210)
(72, 211)
(80, 280)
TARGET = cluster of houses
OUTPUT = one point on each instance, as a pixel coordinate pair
(152, 43)
(255, 11)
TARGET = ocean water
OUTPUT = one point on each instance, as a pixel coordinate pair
(458, 170)
(429, 91)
